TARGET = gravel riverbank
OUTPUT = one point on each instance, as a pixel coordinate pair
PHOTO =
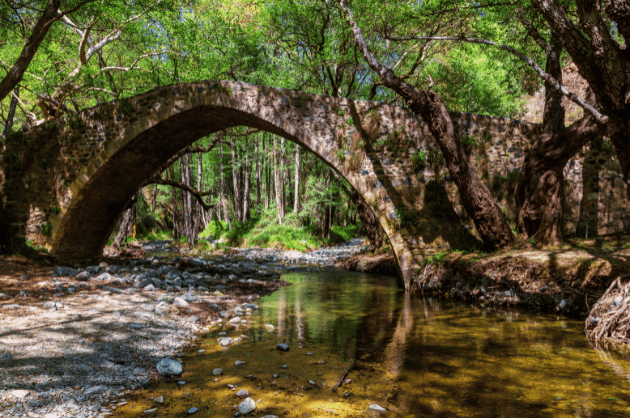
(71, 339)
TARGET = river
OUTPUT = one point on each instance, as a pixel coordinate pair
(413, 356)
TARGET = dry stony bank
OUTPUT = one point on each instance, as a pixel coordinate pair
(74, 339)
(568, 280)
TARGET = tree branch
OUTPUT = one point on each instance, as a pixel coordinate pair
(196, 193)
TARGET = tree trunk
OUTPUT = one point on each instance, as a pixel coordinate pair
(267, 178)
(188, 214)
(296, 198)
(246, 181)
(540, 185)
(235, 181)
(283, 175)
(14, 76)
(601, 61)
(258, 179)
(474, 194)
(11, 114)
(155, 191)
(199, 222)
(277, 180)
(223, 191)
(176, 215)
(127, 222)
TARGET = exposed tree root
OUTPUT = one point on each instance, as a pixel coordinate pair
(609, 319)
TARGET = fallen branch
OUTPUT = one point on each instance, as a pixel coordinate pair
(343, 376)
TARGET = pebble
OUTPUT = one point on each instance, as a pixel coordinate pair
(168, 367)
(150, 411)
(180, 302)
(239, 362)
(242, 393)
(225, 341)
(20, 394)
(269, 328)
(181, 382)
(247, 406)
(217, 372)
(159, 399)
(193, 410)
(282, 347)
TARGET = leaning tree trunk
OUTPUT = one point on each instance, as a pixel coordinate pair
(475, 196)
(49, 16)
(11, 114)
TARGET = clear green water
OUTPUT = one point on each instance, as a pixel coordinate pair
(416, 357)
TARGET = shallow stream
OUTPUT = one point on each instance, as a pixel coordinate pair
(413, 356)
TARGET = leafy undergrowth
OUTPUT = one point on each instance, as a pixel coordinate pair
(267, 232)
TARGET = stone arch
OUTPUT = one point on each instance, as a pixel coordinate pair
(67, 181)
(106, 152)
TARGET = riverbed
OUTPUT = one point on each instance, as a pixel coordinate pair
(390, 354)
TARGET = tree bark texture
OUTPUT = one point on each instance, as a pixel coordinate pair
(475, 196)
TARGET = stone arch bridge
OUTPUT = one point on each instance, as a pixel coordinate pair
(67, 181)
